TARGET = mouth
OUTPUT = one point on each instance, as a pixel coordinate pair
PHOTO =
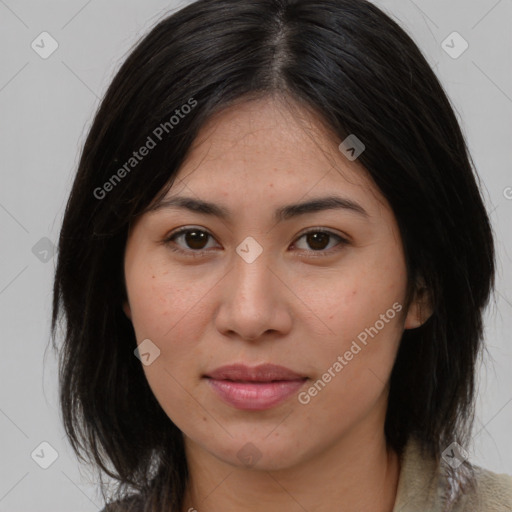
(261, 373)
(254, 388)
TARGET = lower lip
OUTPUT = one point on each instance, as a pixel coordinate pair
(255, 396)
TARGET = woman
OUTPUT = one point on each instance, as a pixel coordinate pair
(273, 267)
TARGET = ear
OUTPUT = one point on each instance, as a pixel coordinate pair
(127, 310)
(421, 307)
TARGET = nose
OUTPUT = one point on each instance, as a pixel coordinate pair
(255, 303)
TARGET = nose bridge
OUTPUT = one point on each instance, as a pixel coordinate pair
(251, 278)
(251, 303)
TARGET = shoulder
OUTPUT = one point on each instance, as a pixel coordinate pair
(489, 491)
(429, 486)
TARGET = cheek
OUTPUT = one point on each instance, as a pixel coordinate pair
(169, 308)
(361, 313)
(162, 300)
(353, 298)
(167, 311)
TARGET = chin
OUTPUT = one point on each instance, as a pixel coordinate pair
(258, 455)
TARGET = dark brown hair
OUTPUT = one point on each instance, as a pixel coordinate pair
(362, 74)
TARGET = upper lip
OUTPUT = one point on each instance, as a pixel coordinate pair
(260, 373)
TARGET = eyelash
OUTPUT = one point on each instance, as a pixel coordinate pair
(193, 253)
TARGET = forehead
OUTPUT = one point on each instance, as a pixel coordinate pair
(264, 151)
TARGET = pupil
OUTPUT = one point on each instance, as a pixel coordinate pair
(314, 238)
(195, 239)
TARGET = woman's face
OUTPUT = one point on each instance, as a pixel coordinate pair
(253, 288)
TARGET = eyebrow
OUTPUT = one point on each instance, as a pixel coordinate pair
(281, 214)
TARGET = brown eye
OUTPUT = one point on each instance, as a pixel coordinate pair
(318, 240)
(193, 240)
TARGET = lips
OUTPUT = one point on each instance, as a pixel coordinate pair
(254, 388)
(261, 373)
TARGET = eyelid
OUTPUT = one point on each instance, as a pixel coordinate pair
(167, 241)
(342, 236)
(182, 231)
(343, 240)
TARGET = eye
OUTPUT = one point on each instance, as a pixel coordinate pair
(318, 240)
(196, 241)
(194, 238)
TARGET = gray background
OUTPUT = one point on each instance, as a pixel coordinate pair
(46, 108)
